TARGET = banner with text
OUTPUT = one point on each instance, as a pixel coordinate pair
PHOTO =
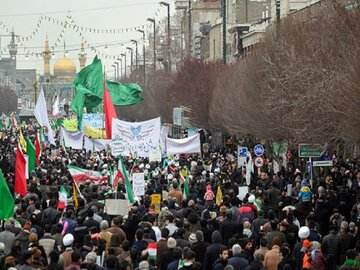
(94, 120)
(136, 138)
(138, 184)
(188, 145)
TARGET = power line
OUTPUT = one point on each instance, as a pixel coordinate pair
(78, 10)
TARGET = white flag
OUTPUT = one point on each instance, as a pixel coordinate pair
(41, 116)
(73, 139)
(56, 106)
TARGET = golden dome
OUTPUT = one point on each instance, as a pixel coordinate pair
(64, 66)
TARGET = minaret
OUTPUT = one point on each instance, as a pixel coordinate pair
(47, 57)
(13, 51)
(82, 56)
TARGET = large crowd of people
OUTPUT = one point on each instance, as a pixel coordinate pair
(308, 225)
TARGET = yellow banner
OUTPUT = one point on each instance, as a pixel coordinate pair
(94, 133)
(70, 124)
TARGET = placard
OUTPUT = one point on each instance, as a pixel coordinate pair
(156, 200)
(138, 184)
(115, 207)
(155, 157)
(242, 192)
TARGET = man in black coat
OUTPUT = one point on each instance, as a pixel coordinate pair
(212, 251)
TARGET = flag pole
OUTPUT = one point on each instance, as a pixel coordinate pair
(103, 122)
(77, 187)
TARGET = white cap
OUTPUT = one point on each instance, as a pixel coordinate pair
(193, 163)
(203, 172)
(211, 175)
(141, 166)
(155, 173)
(304, 232)
(177, 164)
(251, 198)
(147, 166)
(170, 177)
(68, 239)
(217, 170)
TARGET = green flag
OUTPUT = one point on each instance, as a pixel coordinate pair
(89, 89)
(6, 200)
(30, 151)
(124, 94)
(127, 182)
(186, 185)
(1, 124)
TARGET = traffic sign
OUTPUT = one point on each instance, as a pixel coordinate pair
(310, 150)
(242, 156)
(259, 162)
(259, 150)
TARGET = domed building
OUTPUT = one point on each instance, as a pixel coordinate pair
(64, 69)
(58, 83)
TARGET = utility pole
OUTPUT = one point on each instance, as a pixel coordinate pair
(189, 36)
(35, 92)
(154, 52)
(278, 11)
(168, 33)
(224, 29)
(136, 52)
(144, 63)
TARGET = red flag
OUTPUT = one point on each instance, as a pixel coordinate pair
(109, 112)
(37, 149)
(119, 176)
(20, 172)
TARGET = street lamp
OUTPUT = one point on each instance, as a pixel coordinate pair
(154, 53)
(136, 51)
(121, 67)
(144, 68)
(168, 32)
(117, 65)
(114, 71)
(131, 62)
(124, 54)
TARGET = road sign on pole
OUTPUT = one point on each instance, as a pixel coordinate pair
(241, 156)
(310, 150)
(258, 150)
(259, 162)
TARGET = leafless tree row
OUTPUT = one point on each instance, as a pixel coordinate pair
(301, 83)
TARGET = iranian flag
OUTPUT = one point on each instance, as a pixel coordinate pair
(257, 205)
(118, 176)
(80, 175)
(152, 250)
(63, 197)
(184, 178)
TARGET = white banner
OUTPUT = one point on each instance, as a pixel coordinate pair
(136, 138)
(138, 184)
(183, 146)
(71, 139)
(96, 145)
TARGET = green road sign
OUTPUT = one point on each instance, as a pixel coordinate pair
(310, 150)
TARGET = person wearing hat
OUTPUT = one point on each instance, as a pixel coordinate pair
(199, 247)
(167, 257)
(213, 250)
(65, 257)
(317, 257)
(303, 234)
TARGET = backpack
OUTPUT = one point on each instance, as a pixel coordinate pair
(246, 212)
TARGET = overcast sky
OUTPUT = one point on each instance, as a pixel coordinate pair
(23, 15)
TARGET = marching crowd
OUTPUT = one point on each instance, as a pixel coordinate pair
(312, 225)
